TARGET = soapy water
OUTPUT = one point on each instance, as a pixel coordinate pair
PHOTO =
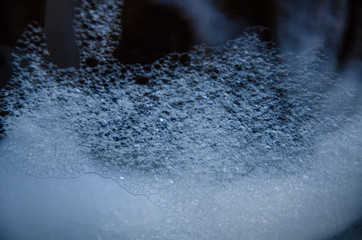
(239, 141)
(88, 207)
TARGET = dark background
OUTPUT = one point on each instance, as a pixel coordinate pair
(153, 28)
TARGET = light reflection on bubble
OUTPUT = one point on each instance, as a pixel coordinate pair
(233, 142)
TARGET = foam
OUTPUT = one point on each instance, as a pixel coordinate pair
(236, 141)
(86, 207)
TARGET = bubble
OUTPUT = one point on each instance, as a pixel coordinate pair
(241, 139)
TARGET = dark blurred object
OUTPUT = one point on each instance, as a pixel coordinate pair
(354, 232)
(5, 68)
(251, 13)
(335, 23)
(55, 15)
(351, 49)
(150, 30)
(153, 28)
(15, 15)
(59, 32)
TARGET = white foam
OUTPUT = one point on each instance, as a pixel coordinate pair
(238, 142)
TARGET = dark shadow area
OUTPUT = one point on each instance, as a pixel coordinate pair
(251, 13)
(351, 47)
(5, 69)
(59, 31)
(57, 18)
(151, 30)
(354, 232)
(15, 15)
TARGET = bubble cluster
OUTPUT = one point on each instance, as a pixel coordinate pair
(210, 115)
(220, 112)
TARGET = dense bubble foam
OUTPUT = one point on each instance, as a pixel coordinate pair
(219, 138)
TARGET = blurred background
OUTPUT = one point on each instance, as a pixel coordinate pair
(153, 28)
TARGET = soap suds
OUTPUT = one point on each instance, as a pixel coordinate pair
(237, 141)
